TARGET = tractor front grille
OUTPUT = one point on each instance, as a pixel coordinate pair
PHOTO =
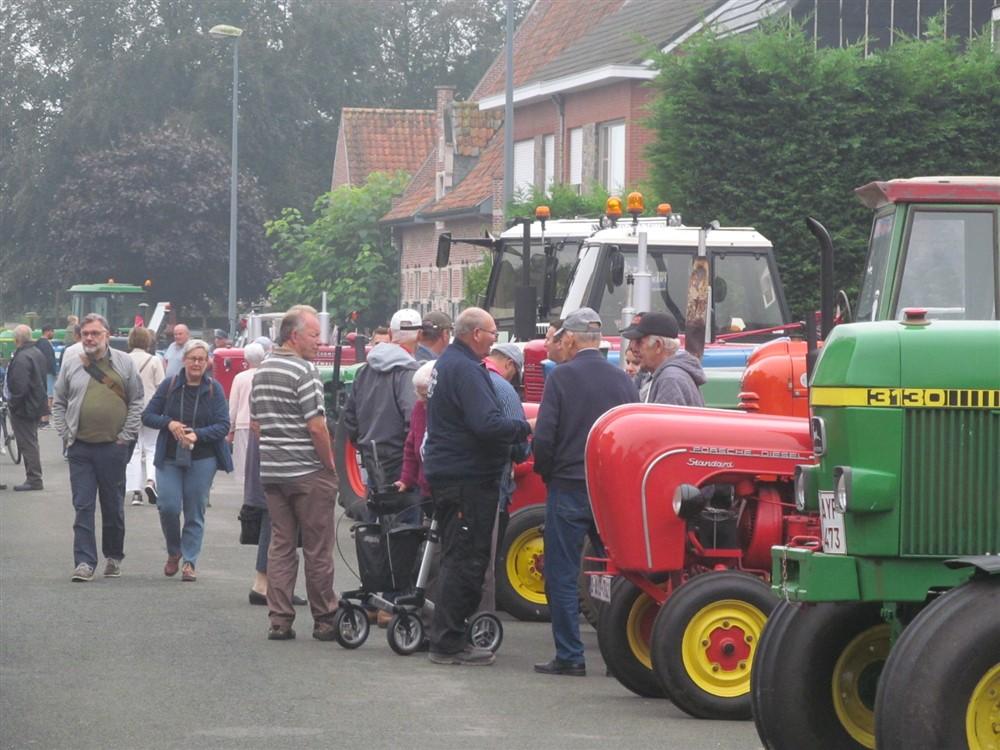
(950, 482)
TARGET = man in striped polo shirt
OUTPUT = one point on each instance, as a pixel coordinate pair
(297, 471)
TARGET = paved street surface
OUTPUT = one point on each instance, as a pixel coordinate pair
(149, 662)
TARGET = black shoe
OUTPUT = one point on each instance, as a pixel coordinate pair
(27, 487)
(151, 495)
(258, 598)
(278, 633)
(556, 666)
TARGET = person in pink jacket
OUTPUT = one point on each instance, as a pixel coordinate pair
(412, 474)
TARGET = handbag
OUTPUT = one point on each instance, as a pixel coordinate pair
(250, 517)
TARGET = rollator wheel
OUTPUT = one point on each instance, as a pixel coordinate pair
(485, 631)
(351, 626)
(405, 633)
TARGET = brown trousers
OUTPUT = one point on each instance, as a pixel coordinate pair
(304, 504)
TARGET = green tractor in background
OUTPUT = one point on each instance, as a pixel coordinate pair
(888, 634)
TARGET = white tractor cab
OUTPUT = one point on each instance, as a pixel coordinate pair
(746, 301)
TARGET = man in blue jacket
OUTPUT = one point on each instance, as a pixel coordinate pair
(576, 394)
(467, 446)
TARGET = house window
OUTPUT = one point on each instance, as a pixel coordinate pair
(524, 166)
(576, 156)
(611, 156)
(549, 145)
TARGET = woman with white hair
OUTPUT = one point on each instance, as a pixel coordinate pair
(412, 474)
(239, 408)
(192, 415)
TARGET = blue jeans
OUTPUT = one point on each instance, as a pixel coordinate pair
(567, 521)
(184, 487)
(98, 470)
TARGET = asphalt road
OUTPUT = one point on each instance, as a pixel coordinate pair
(148, 662)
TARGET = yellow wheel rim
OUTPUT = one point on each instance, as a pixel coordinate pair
(982, 719)
(639, 627)
(855, 679)
(718, 645)
(525, 560)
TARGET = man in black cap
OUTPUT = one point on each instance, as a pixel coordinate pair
(576, 394)
(677, 375)
(434, 336)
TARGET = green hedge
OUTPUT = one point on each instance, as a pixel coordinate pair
(760, 129)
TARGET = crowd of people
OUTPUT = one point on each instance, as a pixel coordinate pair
(434, 413)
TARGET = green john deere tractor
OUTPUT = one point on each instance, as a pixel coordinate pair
(888, 634)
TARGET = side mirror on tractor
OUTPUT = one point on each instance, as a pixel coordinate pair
(444, 249)
(617, 277)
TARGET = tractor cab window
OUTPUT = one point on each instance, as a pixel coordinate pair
(507, 274)
(671, 271)
(878, 259)
(949, 265)
(744, 297)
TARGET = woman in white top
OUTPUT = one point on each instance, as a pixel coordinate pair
(239, 408)
(150, 369)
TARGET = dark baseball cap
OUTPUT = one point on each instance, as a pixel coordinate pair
(435, 321)
(653, 324)
(220, 334)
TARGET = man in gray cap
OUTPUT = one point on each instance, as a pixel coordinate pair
(576, 394)
(676, 375)
(505, 363)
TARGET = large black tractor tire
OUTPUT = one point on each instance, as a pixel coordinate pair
(941, 684)
(704, 641)
(520, 580)
(589, 606)
(815, 676)
(623, 637)
(767, 662)
(351, 490)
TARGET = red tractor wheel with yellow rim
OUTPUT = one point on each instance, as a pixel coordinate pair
(520, 579)
(704, 641)
(623, 635)
(941, 684)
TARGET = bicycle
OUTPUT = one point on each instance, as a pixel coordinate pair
(8, 444)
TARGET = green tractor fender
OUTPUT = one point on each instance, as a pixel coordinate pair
(985, 565)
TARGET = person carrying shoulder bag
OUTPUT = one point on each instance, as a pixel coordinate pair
(192, 415)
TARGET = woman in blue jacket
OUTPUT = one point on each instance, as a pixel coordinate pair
(192, 415)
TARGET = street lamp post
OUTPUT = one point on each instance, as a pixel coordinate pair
(223, 31)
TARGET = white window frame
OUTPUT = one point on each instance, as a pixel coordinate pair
(524, 166)
(576, 156)
(611, 155)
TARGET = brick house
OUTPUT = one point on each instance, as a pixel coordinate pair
(580, 96)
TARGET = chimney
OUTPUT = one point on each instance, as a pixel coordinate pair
(444, 168)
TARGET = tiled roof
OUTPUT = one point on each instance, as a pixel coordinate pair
(477, 185)
(385, 140)
(473, 128)
(548, 29)
(627, 35)
(418, 193)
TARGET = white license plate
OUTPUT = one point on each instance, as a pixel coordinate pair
(831, 523)
(600, 587)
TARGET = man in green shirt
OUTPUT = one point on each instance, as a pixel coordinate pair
(96, 410)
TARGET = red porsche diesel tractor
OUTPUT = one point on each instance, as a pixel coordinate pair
(935, 244)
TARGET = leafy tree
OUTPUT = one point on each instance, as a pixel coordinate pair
(761, 129)
(563, 201)
(157, 207)
(81, 76)
(477, 278)
(343, 252)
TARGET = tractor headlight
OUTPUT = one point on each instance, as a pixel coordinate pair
(688, 501)
(817, 431)
(800, 488)
(841, 488)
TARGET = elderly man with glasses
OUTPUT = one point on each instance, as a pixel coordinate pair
(467, 447)
(96, 410)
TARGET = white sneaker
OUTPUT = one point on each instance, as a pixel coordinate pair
(136, 498)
